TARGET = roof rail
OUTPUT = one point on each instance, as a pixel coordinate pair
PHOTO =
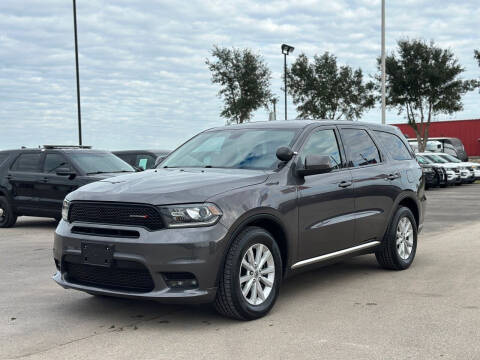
(66, 147)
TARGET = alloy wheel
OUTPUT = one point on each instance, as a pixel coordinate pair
(257, 274)
(404, 238)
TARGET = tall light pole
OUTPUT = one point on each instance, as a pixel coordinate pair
(382, 62)
(286, 49)
(78, 76)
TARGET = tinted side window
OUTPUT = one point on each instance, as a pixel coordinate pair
(128, 158)
(145, 161)
(361, 150)
(323, 142)
(3, 157)
(54, 162)
(27, 162)
(394, 145)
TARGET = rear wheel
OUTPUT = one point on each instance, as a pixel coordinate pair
(400, 242)
(250, 281)
(7, 216)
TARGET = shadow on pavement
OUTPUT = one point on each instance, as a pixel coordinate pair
(139, 313)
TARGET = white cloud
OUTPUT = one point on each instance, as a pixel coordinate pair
(144, 82)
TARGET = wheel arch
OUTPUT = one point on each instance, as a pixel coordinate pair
(409, 200)
(267, 220)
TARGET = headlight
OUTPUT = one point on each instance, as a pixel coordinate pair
(65, 208)
(190, 215)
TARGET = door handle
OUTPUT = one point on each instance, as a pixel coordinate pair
(345, 184)
(45, 179)
(9, 177)
(393, 176)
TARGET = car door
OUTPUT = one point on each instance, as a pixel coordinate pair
(325, 201)
(374, 183)
(55, 187)
(24, 177)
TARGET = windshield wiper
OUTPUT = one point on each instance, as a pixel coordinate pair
(107, 172)
(98, 172)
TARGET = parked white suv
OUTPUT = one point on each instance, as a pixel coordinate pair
(474, 168)
(462, 173)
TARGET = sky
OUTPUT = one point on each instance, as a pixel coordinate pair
(143, 78)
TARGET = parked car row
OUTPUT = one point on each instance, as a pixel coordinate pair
(229, 214)
(442, 169)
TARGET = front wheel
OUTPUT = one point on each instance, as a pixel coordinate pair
(250, 281)
(7, 216)
(400, 242)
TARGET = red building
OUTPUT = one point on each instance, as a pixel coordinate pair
(466, 130)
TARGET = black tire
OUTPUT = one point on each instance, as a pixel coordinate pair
(8, 217)
(229, 300)
(388, 255)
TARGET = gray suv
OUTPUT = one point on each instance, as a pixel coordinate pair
(236, 209)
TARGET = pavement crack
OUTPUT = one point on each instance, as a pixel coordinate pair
(113, 329)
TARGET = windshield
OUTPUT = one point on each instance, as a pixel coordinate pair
(422, 160)
(450, 158)
(436, 159)
(232, 148)
(100, 162)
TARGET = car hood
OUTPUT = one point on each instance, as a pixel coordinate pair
(449, 165)
(103, 176)
(169, 186)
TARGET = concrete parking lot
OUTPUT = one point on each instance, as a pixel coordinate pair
(350, 310)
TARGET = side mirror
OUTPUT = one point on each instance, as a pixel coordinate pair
(65, 171)
(315, 164)
(284, 153)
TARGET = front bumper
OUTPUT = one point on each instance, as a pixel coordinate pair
(475, 173)
(197, 251)
(467, 176)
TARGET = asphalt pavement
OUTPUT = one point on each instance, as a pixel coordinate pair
(352, 310)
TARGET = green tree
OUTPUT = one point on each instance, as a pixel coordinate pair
(323, 90)
(423, 80)
(244, 81)
(477, 56)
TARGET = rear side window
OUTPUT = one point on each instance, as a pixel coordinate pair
(361, 150)
(27, 162)
(54, 162)
(394, 145)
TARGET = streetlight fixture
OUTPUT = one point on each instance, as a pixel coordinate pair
(286, 49)
(78, 76)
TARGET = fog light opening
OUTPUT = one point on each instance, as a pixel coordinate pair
(180, 280)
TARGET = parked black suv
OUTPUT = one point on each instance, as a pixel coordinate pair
(34, 182)
(236, 209)
(434, 174)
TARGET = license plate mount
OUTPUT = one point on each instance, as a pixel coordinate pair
(97, 254)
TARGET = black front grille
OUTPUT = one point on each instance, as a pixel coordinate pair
(128, 279)
(116, 214)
